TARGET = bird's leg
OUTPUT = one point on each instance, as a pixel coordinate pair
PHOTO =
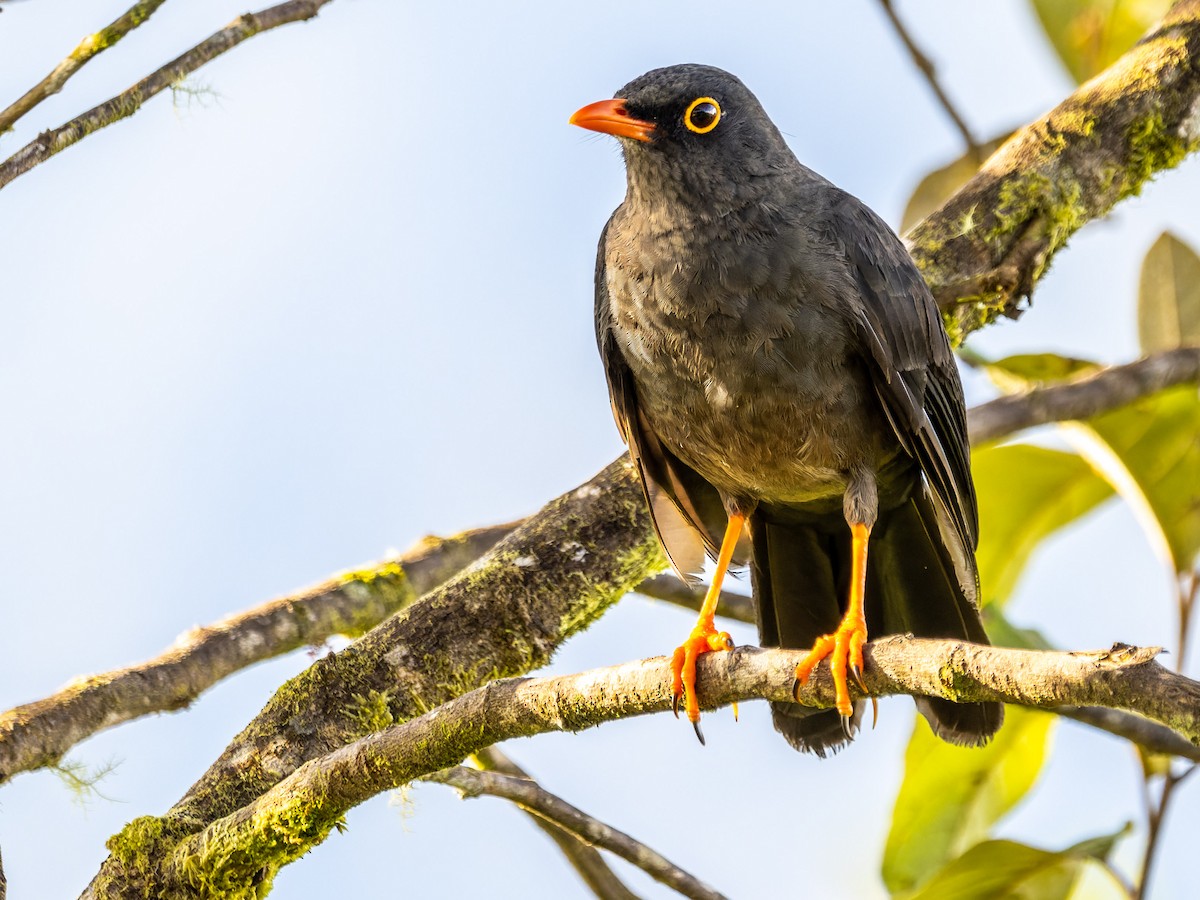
(704, 636)
(844, 646)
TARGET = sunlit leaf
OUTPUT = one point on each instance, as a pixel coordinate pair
(1026, 493)
(1088, 35)
(1025, 370)
(1150, 452)
(1006, 870)
(951, 796)
(936, 187)
(1169, 296)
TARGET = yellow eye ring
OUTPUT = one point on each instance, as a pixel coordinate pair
(702, 115)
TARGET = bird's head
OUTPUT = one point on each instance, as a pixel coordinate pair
(691, 135)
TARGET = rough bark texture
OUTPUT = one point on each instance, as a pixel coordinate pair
(39, 733)
(985, 249)
(248, 847)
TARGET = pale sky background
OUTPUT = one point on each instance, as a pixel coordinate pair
(347, 301)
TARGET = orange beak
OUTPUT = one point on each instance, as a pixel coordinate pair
(611, 117)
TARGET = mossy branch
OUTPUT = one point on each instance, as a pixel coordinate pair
(985, 249)
(129, 101)
(89, 47)
(248, 847)
(350, 603)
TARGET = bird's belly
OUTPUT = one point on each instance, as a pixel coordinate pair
(785, 426)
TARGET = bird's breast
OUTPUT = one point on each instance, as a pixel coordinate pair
(743, 370)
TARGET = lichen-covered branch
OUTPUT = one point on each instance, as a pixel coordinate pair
(541, 803)
(506, 615)
(1105, 390)
(984, 250)
(583, 857)
(351, 603)
(126, 103)
(89, 47)
(283, 823)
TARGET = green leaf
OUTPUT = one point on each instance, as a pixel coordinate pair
(951, 796)
(1025, 370)
(1169, 296)
(1150, 452)
(1000, 870)
(1088, 35)
(1026, 493)
(936, 187)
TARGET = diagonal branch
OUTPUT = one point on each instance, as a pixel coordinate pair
(126, 103)
(89, 47)
(987, 247)
(583, 857)
(299, 812)
(550, 808)
(39, 733)
(1102, 391)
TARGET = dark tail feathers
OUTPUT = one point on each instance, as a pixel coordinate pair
(801, 576)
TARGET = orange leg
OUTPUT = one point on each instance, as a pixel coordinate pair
(704, 637)
(844, 646)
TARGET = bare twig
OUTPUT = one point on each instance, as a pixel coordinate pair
(89, 47)
(925, 64)
(1156, 814)
(1105, 390)
(539, 802)
(125, 104)
(298, 812)
(583, 857)
(1148, 735)
(670, 588)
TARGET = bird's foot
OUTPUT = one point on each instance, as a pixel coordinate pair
(844, 649)
(704, 639)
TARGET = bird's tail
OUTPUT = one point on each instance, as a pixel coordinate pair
(801, 573)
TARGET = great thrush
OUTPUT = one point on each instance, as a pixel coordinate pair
(780, 372)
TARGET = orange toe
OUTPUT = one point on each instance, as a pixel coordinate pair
(703, 639)
(843, 648)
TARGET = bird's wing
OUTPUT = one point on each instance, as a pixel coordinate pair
(680, 501)
(912, 369)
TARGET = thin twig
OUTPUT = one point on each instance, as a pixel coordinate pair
(1156, 815)
(125, 104)
(540, 802)
(927, 68)
(583, 857)
(1107, 389)
(89, 47)
(672, 589)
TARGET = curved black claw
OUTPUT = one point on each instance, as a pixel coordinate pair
(675, 704)
(796, 689)
(856, 674)
(699, 733)
(847, 726)
(874, 713)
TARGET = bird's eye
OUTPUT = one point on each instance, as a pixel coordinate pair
(702, 115)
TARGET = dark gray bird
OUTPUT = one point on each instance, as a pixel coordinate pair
(781, 374)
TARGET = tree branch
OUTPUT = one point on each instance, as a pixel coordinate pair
(583, 857)
(297, 813)
(986, 248)
(1100, 392)
(925, 65)
(38, 734)
(125, 104)
(89, 47)
(541, 803)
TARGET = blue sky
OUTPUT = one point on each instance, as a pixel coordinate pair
(342, 298)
